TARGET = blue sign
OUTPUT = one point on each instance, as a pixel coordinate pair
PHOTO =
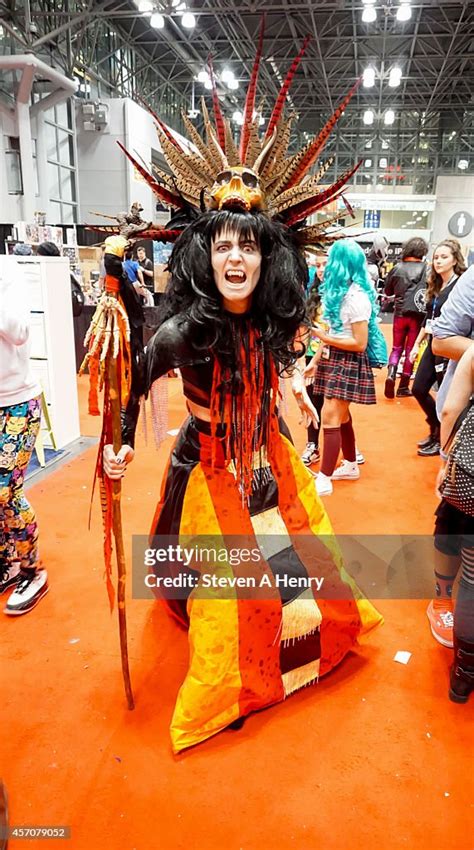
(372, 218)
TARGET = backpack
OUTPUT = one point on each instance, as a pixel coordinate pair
(415, 296)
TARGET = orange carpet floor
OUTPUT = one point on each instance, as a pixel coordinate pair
(374, 756)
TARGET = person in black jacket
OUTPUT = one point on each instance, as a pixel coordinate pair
(448, 265)
(49, 249)
(407, 281)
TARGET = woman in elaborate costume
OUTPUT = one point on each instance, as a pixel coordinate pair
(235, 303)
(234, 306)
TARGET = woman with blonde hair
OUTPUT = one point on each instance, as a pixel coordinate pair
(447, 265)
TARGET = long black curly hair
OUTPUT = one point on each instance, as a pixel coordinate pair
(278, 301)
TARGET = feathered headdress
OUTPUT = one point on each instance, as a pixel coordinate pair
(215, 173)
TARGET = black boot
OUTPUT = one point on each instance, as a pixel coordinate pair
(390, 381)
(462, 672)
(404, 387)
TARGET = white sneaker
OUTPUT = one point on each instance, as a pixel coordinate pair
(359, 457)
(323, 484)
(347, 470)
(30, 589)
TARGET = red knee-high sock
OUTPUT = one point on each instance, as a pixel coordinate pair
(331, 449)
(348, 443)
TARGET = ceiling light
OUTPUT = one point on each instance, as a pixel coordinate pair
(389, 117)
(202, 76)
(145, 6)
(233, 84)
(383, 162)
(368, 163)
(424, 214)
(368, 77)
(208, 84)
(157, 21)
(404, 12)
(385, 145)
(395, 77)
(463, 164)
(368, 144)
(238, 117)
(227, 75)
(368, 116)
(188, 21)
(369, 15)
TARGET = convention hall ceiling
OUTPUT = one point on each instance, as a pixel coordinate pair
(112, 47)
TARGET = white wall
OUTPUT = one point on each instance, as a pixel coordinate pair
(392, 234)
(108, 182)
(453, 194)
(102, 173)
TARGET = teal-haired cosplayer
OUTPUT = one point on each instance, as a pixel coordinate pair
(346, 265)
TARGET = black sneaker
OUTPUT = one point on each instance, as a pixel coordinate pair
(31, 587)
(423, 443)
(430, 450)
(9, 576)
(310, 454)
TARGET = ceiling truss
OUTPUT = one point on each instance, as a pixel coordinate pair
(113, 48)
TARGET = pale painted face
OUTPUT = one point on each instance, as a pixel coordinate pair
(320, 264)
(443, 261)
(236, 263)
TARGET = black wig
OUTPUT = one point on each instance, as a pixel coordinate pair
(278, 303)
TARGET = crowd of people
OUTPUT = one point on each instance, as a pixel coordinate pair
(433, 327)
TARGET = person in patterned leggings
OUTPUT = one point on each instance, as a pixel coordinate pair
(20, 416)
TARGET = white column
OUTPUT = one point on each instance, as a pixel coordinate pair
(41, 162)
(26, 158)
(26, 148)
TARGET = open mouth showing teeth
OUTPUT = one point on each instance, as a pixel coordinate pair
(236, 201)
(236, 277)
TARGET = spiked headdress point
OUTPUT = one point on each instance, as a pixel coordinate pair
(213, 172)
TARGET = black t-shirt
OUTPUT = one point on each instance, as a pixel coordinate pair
(147, 265)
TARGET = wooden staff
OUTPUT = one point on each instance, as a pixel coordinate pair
(114, 397)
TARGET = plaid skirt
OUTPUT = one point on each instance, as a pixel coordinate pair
(345, 375)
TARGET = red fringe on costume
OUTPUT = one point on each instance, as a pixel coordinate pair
(243, 401)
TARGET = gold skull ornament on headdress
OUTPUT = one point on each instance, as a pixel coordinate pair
(236, 186)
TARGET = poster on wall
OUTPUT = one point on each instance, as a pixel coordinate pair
(161, 254)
